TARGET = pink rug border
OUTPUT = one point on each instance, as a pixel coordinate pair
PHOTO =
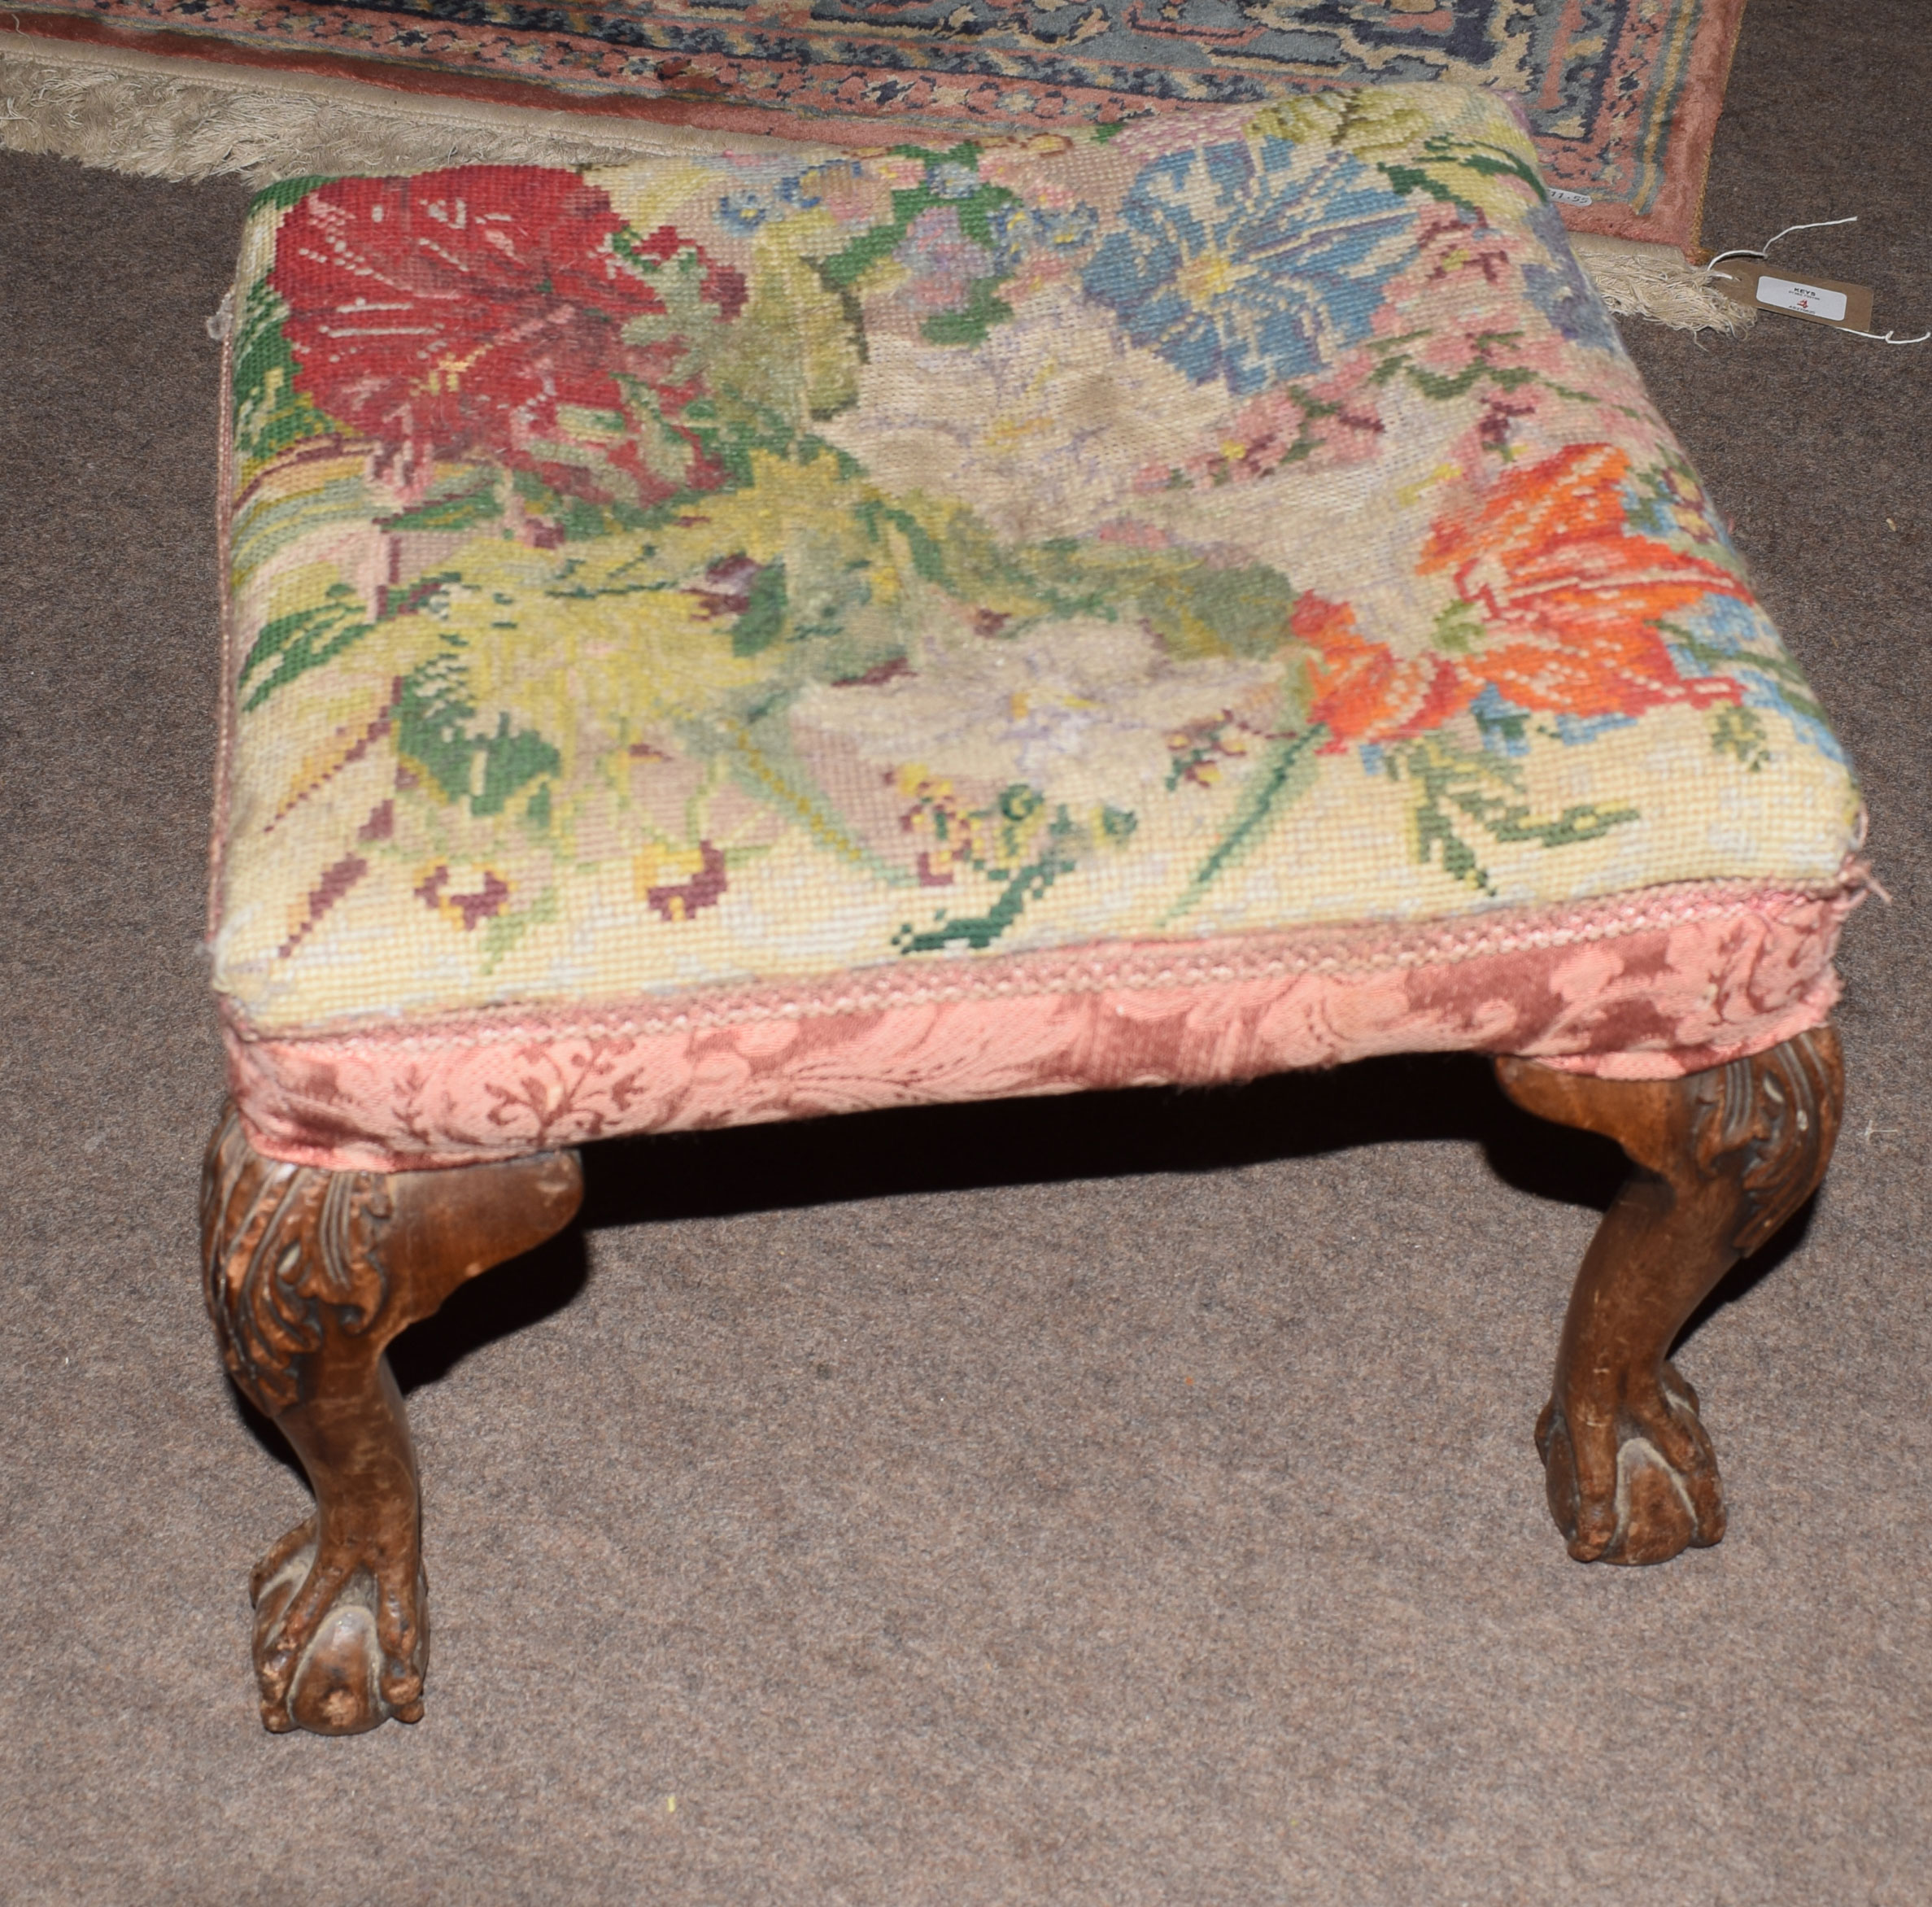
(1674, 219)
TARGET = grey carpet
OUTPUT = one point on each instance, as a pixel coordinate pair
(1121, 1500)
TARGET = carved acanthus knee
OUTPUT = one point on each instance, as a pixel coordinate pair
(279, 1242)
(1773, 1120)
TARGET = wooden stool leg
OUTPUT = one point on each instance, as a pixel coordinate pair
(1722, 1159)
(309, 1276)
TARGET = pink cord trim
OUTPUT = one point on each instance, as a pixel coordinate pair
(1650, 985)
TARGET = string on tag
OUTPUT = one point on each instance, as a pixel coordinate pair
(1711, 271)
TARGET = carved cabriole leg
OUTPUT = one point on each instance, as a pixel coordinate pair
(309, 1276)
(1722, 1159)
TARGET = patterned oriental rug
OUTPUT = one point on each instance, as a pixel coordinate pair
(1622, 96)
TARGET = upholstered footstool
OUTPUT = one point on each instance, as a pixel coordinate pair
(765, 634)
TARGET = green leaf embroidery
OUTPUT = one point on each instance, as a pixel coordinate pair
(286, 193)
(304, 640)
(270, 414)
(1436, 173)
(1286, 773)
(1740, 731)
(762, 620)
(432, 730)
(458, 508)
(842, 272)
(1459, 628)
(984, 308)
(1489, 793)
(1024, 884)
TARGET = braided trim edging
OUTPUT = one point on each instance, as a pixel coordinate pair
(1127, 967)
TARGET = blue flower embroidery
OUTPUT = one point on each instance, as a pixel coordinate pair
(1019, 229)
(1506, 727)
(805, 189)
(1560, 292)
(1503, 726)
(748, 207)
(1668, 504)
(1251, 264)
(948, 180)
(742, 211)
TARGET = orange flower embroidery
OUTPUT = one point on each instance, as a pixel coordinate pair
(1362, 690)
(1567, 600)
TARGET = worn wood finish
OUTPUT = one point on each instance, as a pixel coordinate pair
(1722, 1159)
(309, 1276)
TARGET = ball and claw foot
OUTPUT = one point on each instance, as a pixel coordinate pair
(341, 1641)
(308, 1275)
(1719, 1159)
(1637, 1484)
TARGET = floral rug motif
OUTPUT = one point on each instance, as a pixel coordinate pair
(745, 571)
(1622, 96)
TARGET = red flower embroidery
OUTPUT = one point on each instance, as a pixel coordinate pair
(464, 312)
(1568, 604)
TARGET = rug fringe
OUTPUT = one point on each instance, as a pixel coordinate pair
(133, 112)
(1656, 281)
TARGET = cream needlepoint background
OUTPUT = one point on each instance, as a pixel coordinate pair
(750, 568)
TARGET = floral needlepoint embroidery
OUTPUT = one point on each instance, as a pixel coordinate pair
(469, 910)
(754, 570)
(512, 315)
(1559, 608)
(1569, 599)
(1251, 263)
(1359, 690)
(675, 883)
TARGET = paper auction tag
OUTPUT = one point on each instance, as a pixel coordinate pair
(1809, 301)
(1825, 301)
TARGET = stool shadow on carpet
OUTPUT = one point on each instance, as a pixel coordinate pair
(1102, 1135)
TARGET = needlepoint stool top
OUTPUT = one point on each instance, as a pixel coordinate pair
(685, 619)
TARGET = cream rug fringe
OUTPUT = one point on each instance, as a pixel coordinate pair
(141, 113)
(1655, 281)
